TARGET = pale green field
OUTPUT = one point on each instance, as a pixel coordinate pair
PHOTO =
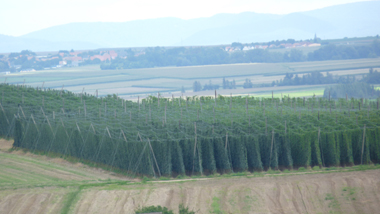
(141, 82)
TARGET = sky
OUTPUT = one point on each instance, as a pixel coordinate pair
(19, 17)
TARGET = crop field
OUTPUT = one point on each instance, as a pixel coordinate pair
(192, 135)
(131, 83)
(210, 139)
(54, 185)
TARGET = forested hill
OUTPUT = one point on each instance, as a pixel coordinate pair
(160, 57)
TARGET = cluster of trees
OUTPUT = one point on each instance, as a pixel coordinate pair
(247, 83)
(334, 52)
(161, 57)
(373, 77)
(229, 84)
(197, 86)
(4, 66)
(355, 90)
(314, 78)
(317, 78)
(21, 59)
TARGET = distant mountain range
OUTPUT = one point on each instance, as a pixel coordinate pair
(348, 20)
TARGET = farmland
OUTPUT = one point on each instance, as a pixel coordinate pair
(49, 184)
(131, 83)
(211, 139)
(195, 135)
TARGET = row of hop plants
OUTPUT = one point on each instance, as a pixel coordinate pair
(194, 135)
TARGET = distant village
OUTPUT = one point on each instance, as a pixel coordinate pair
(272, 46)
(28, 61)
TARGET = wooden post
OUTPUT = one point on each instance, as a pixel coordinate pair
(43, 101)
(246, 106)
(349, 112)
(368, 112)
(200, 103)
(215, 98)
(318, 115)
(285, 127)
(165, 113)
(271, 148)
(4, 114)
(195, 144)
(81, 95)
(53, 115)
(329, 95)
(213, 111)
(320, 145)
(63, 103)
(266, 126)
(85, 108)
(22, 98)
(361, 158)
(138, 101)
(61, 89)
(172, 100)
(99, 112)
(151, 149)
(225, 145)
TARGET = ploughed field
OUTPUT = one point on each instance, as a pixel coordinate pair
(32, 183)
(192, 135)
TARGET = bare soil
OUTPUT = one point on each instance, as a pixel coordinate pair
(337, 192)
(351, 192)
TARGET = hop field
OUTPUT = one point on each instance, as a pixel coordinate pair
(192, 135)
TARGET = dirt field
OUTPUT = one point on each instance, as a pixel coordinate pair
(37, 184)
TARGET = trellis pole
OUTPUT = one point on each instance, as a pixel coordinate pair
(361, 158)
(271, 148)
(320, 146)
(195, 145)
(4, 113)
(151, 149)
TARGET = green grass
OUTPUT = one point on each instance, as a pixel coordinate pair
(215, 206)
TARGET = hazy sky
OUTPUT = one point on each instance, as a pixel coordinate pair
(18, 17)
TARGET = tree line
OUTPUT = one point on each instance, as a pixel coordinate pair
(181, 56)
